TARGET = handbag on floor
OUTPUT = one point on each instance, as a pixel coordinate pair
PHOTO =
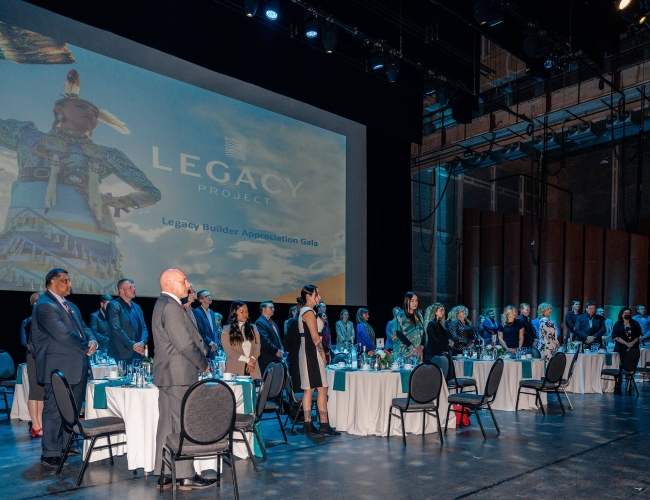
(462, 419)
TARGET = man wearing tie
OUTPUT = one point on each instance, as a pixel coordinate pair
(126, 327)
(62, 341)
(271, 345)
(179, 361)
(206, 322)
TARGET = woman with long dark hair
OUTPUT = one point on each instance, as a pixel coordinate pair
(408, 328)
(241, 342)
(312, 362)
(365, 332)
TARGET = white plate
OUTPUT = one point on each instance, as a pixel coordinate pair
(244, 377)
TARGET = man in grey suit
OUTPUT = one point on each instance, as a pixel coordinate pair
(126, 327)
(62, 341)
(179, 361)
(99, 323)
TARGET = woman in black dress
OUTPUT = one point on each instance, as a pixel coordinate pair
(312, 362)
(438, 341)
(626, 333)
(511, 330)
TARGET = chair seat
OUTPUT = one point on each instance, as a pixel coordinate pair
(244, 422)
(8, 383)
(103, 425)
(643, 370)
(462, 382)
(189, 448)
(270, 406)
(614, 372)
(537, 384)
(465, 398)
(401, 403)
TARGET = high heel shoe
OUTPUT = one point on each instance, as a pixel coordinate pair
(36, 433)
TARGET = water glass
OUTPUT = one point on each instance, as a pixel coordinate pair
(121, 368)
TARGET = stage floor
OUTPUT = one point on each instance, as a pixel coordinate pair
(601, 449)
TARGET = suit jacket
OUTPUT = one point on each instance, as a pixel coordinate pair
(233, 365)
(530, 334)
(583, 331)
(99, 326)
(122, 333)
(437, 340)
(208, 333)
(270, 342)
(58, 344)
(179, 353)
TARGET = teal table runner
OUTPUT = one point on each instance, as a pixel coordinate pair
(250, 401)
(339, 380)
(404, 376)
(99, 401)
(608, 359)
(468, 368)
(19, 375)
(526, 369)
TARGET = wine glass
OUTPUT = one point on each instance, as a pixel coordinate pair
(121, 368)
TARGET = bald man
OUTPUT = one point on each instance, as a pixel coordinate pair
(179, 361)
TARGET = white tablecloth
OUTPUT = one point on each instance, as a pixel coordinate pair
(362, 409)
(139, 409)
(645, 357)
(101, 371)
(586, 374)
(21, 395)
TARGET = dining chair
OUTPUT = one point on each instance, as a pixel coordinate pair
(628, 368)
(475, 402)
(274, 398)
(425, 382)
(549, 383)
(207, 423)
(340, 358)
(246, 423)
(7, 378)
(454, 382)
(89, 429)
(442, 362)
(295, 399)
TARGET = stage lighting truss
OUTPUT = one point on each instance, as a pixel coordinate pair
(272, 10)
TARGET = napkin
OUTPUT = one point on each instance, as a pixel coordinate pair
(99, 401)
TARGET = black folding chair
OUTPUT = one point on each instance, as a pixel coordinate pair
(207, 424)
(295, 400)
(549, 383)
(454, 382)
(91, 429)
(477, 402)
(274, 398)
(628, 368)
(442, 362)
(425, 382)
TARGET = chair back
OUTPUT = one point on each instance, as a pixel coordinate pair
(450, 376)
(277, 382)
(340, 358)
(65, 399)
(265, 389)
(443, 363)
(536, 354)
(493, 380)
(290, 392)
(425, 382)
(7, 367)
(572, 367)
(555, 368)
(631, 360)
(207, 413)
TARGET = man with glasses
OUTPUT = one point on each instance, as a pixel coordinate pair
(206, 321)
(127, 330)
(62, 341)
(271, 344)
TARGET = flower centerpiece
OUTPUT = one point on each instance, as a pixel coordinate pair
(574, 346)
(385, 357)
(495, 350)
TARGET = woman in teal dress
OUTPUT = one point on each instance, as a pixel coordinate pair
(408, 329)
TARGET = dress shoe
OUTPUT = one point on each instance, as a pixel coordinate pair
(74, 452)
(325, 428)
(167, 481)
(53, 462)
(310, 428)
(197, 482)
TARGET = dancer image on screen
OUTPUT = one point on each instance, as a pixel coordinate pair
(57, 211)
(312, 362)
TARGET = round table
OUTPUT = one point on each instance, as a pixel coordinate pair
(362, 408)
(645, 357)
(139, 409)
(506, 397)
(21, 394)
(586, 374)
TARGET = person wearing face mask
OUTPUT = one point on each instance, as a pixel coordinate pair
(626, 333)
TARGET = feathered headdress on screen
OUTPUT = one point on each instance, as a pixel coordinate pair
(72, 88)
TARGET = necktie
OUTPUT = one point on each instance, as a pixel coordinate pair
(74, 319)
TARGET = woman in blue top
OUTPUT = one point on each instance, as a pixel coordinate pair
(365, 333)
(511, 330)
(408, 328)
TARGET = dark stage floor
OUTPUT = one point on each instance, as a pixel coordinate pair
(599, 450)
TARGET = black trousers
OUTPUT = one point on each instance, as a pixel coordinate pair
(54, 436)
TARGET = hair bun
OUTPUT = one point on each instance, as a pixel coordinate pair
(300, 301)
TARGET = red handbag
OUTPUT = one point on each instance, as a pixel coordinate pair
(462, 419)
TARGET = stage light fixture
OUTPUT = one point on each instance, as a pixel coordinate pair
(311, 26)
(623, 4)
(272, 10)
(250, 7)
(376, 58)
(329, 36)
(392, 67)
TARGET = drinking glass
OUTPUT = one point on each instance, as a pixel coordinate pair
(121, 368)
(465, 350)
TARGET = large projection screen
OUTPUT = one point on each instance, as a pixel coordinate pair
(251, 193)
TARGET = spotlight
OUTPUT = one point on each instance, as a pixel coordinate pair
(376, 58)
(623, 4)
(272, 10)
(311, 26)
(329, 36)
(250, 7)
(392, 67)
(634, 11)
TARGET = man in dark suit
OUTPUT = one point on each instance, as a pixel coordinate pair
(271, 345)
(530, 335)
(207, 323)
(62, 341)
(570, 320)
(590, 327)
(179, 361)
(99, 323)
(127, 330)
